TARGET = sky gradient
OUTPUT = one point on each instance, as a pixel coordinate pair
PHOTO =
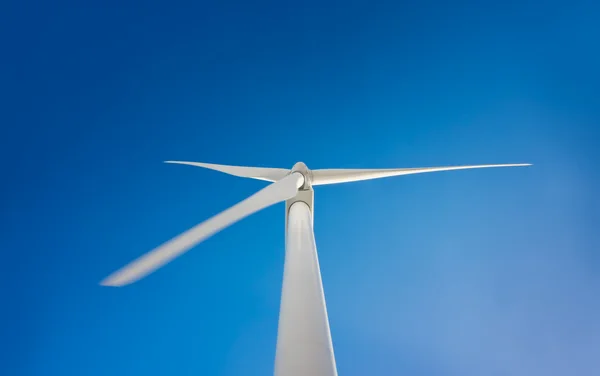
(484, 272)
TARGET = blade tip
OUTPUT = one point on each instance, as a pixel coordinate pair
(517, 165)
(106, 283)
(113, 281)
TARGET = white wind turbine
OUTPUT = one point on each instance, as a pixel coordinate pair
(304, 346)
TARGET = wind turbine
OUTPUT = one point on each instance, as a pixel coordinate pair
(304, 345)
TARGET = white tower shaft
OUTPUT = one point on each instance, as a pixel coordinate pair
(304, 345)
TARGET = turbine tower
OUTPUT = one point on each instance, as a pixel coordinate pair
(304, 346)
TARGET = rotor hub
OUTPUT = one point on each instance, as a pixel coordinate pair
(301, 168)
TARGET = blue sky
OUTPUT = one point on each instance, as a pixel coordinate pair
(493, 272)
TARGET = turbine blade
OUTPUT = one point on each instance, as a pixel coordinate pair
(260, 173)
(334, 176)
(282, 190)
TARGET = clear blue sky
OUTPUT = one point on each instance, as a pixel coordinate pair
(485, 272)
